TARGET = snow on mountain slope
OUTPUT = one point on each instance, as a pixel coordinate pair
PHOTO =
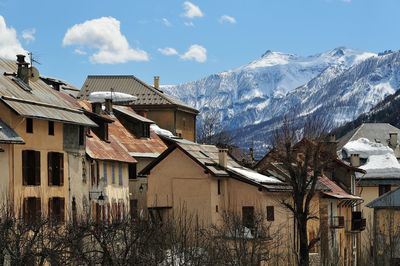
(339, 85)
(243, 95)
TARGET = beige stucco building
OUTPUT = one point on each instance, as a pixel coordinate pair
(39, 173)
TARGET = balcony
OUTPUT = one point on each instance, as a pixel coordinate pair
(337, 222)
(357, 223)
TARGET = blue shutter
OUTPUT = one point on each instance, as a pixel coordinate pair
(113, 172)
(105, 172)
(120, 173)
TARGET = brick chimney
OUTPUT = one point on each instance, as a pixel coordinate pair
(23, 71)
(223, 157)
(157, 82)
(108, 104)
(393, 139)
(355, 160)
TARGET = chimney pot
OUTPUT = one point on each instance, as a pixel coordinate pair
(96, 108)
(157, 82)
(355, 160)
(393, 139)
(223, 157)
(331, 137)
(23, 71)
(108, 105)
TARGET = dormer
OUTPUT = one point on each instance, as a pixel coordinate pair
(136, 124)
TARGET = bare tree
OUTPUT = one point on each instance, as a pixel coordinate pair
(303, 153)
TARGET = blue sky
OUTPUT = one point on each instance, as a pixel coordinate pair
(186, 40)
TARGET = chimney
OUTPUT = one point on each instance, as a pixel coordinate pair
(223, 157)
(157, 82)
(393, 139)
(108, 104)
(331, 137)
(96, 108)
(23, 69)
(355, 160)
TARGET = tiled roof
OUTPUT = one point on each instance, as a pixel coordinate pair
(147, 95)
(36, 100)
(137, 147)
(8, 135)
(109, 151)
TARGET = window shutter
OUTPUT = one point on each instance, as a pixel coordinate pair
(61, 169)
(50, 168)
(62, 210)
(25, 168)
(120, 173)
(50, 211)
(37, 168)
(25, 211)
(105, 172)
(92, 175)
(38, 208)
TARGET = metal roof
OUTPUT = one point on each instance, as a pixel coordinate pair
(37, 100)
(375, 132)
(129, 112)
(390, 199)
(147, 95)
(8, 135)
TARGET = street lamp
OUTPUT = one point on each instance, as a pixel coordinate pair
(100, 199)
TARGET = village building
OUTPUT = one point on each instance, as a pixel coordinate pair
(386, 229)
(167, 112)
(43, 142)
(337, 224)
(373, 147)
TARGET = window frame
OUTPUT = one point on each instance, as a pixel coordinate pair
(270, 213)
(55, 164)
(50, 128)
(29, 125)
(31, 169)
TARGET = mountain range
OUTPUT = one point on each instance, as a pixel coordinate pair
(251, 100)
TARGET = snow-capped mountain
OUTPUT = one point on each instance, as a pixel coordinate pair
(339, 84)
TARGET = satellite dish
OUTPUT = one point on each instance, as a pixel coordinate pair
(34, 74)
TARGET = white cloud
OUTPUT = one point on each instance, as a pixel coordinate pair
(227, 19)
(29, 35)
(166, 22)
(79, 51)
(168, 51)
(191, 10)
(104, 35)
(195, 52)
(188, 24)
(9, 44)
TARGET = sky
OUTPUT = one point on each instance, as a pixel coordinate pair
(181, 41)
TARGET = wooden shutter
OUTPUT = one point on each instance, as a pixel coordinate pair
(61, 155)
(62, 210)
(50, 211)
(25, 210)
(25, 168)
(92, 175)
(37, 168)
(50, 168)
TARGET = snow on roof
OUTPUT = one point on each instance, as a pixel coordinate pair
(382, 166)
(257, 177)
(161, 131)
(101, 96)
(366, 148)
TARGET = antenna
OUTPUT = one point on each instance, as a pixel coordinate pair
(32, 59)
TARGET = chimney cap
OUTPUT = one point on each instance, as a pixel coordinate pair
(21, 59)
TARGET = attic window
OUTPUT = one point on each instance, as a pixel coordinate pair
(22, 84)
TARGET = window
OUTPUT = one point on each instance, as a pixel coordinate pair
(120, 174)
(248, 217)
(105, 172)
(219, 186)
(31, 210)
(56, 210)
(383, 189)
(81, 135)
(270, 213)
(113, 172)
(31, 168)
(55, 163)
(132, 171)
(51, 128)
(216, 208)
(29, 125)
(145, 130)
(94, 173)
